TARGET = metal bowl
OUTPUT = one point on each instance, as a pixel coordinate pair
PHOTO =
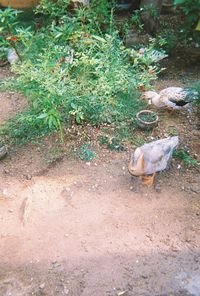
(147, 125)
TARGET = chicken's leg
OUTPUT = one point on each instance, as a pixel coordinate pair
(169, 111)
(148, 180)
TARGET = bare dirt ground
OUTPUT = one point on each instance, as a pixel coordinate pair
(88, 229)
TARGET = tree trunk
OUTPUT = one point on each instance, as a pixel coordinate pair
(149, 18)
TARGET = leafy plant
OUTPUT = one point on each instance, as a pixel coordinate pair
(167, 39)
(52, 9)
(8, 24)
(136, 20)
(185, 157)
(72, 71)
(112, 143)
(85, 153)
(8, 20)
(116, 136)
(172, 132)
(148, 117)
(191, 10)
(94, 85)
(54, 153)
(96, 16)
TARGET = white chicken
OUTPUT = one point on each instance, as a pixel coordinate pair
(151, 158)
(174, 98)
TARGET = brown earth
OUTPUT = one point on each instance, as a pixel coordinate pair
(89, 229)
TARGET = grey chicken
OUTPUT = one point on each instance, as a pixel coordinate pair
(151, 158)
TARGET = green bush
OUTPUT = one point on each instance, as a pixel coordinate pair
(71, 71)
(191, 10)
(85, 153)
(96, 15)
(185, 157)
(52, 9)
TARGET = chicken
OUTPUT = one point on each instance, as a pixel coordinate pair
(151, 158)
(174, 98)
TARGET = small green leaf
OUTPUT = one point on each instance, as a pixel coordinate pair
(42, 116)
(73, 105)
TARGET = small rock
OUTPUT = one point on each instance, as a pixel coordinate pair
(88, 163)
(158, 189)
(56, 264)
(196, 133)
(28, 177)
(149, 237)
(188, 238)
(10, 210)
(66, 291)
(122, 293)
(42, 286)
(194, 189)
(175, 248)
(5, 191)
(67, 189)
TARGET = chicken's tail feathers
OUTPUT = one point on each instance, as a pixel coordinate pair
(175, 141)
(190, 94)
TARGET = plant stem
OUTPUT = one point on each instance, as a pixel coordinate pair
(12, 43)
(61, 132)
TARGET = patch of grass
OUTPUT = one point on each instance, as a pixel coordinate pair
(148, 117)
(112, 143)
(185, 157)
(118, 136)
(54, 154)
(172, 132)
(85, 153)
(23, 128)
